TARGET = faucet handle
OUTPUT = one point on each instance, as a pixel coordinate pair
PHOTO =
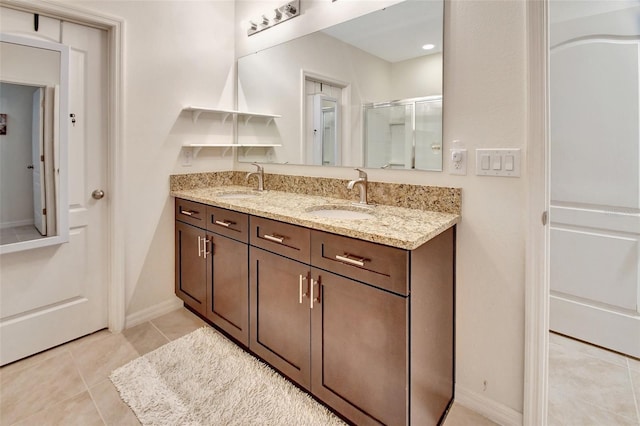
(361, 174)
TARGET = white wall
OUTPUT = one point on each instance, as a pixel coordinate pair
(417, 77)
(485, 106)
(16, 181)
(269, 83)
(177, 53)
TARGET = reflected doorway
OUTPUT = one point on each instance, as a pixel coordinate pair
(23, 170)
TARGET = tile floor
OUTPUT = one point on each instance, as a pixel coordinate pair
(591, 386)
(18, 234)
(69, 384)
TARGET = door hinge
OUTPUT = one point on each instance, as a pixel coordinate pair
(545, 217)
(44, 212)
(42, 158)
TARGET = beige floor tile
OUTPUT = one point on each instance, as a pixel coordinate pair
(144, 338)
(33, 360)
(43, 385)
(78, 410)
(576, 376)
(96, 361)
(178, 323)
(460, 415)
(587, 349)
(566, 410)
(97, 358)
(634, 364)
(113, 410)
(635, 378)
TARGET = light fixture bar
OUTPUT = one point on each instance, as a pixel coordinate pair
(278, 15)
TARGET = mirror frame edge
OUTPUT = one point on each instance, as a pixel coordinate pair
(62, 126)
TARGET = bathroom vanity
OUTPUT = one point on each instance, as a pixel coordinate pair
(359, 312)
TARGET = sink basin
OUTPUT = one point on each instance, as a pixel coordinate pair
(341, 212)
(237, 195)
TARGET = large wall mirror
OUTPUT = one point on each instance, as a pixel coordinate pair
(363, 93)
(34, 85)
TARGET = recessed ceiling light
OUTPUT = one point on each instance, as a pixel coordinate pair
(428, 46)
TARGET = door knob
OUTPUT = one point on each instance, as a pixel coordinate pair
(30, 166)
(97, 194)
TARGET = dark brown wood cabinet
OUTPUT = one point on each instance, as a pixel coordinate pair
(360, 347)
(191, 267)
(280, 320)
(366, 328)
(212, 270)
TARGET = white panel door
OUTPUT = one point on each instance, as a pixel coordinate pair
(595, 191)
(55, 294)
(37, 161)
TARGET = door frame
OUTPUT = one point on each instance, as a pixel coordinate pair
(114, 27)
(536, 348)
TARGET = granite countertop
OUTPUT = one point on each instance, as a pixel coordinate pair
(393, 226)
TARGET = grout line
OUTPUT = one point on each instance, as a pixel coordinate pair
(159, 331)
(95, 404)
(636, 397)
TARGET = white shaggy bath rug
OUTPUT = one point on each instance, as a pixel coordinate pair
(204, 379)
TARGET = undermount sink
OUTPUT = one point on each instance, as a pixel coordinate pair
(238, 195)
(341, 212)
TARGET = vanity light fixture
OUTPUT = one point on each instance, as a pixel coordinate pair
(428, 46)
(280, 14)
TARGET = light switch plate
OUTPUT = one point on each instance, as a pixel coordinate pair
(503, 162)
(458, 161)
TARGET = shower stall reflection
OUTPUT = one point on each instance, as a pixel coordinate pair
(404, 134)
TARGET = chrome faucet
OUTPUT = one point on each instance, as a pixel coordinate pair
(260, 174)
(361, 182)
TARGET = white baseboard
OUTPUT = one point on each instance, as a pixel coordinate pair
(488, 408)
(152, 312)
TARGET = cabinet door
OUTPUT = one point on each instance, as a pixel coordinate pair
(359, 350)
(280, 313)
(191, 267)
(228, 286)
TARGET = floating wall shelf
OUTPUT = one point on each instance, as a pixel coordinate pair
(198, 146)
(226, 113)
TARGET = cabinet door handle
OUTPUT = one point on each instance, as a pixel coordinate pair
(188, 212)
(205, 242)
(199, 246)
(311, 291)
(351, 260)
(315, 299)
(275, 238)
(300, 293)
(225, 223)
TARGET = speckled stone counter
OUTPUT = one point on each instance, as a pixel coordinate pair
(390, 225)
(421, 197)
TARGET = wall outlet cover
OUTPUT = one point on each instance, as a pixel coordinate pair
(458, 161)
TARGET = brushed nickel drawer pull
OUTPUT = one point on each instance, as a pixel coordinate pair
(301, 294)
(188, 212)
(225, 223)
(275, 238)
(311, 291)
(313, 299)
(205, 243)
(347, 258)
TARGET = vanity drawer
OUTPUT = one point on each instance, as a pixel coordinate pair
(379, 265)
(282, 238)
(191, 212)
(228, 223)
